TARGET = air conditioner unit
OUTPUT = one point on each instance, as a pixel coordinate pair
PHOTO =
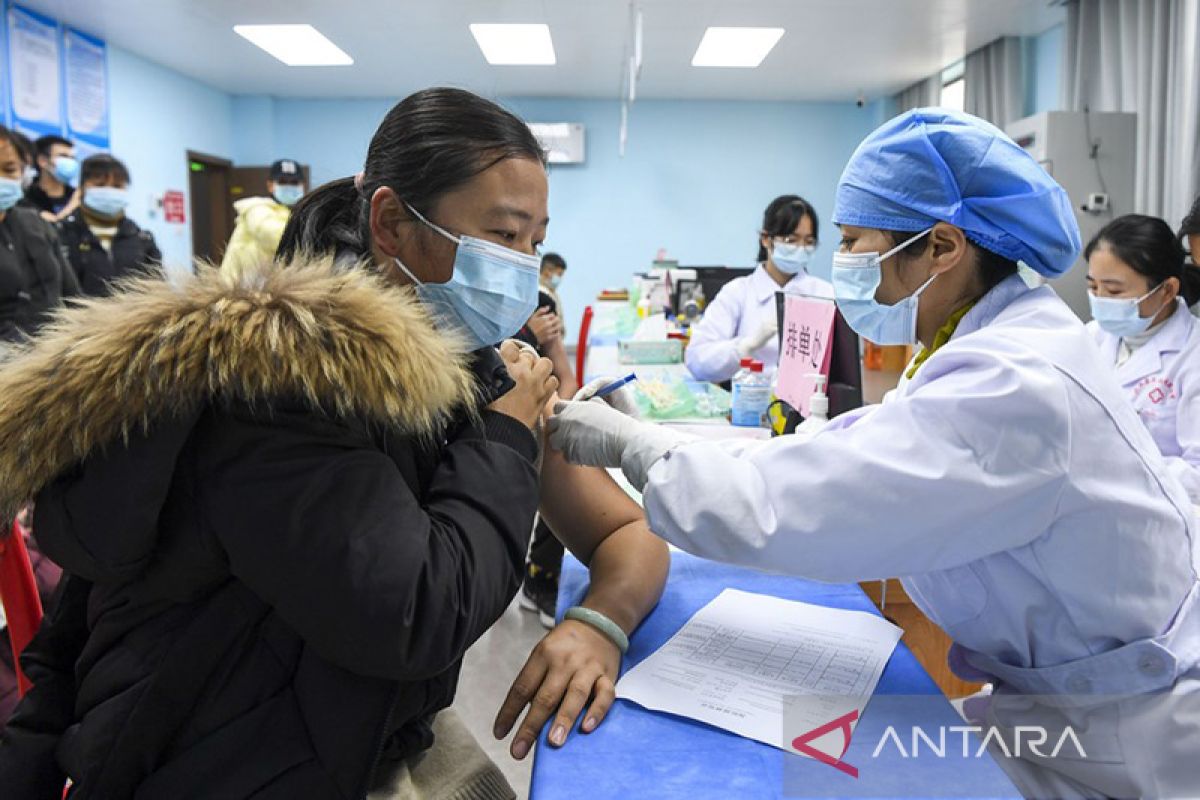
(562, 141)
(1091, 155)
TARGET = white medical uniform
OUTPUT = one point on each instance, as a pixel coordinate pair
(1031, 514)
(1162, 379)
(739, 310)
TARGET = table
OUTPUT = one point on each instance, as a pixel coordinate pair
(636, 753)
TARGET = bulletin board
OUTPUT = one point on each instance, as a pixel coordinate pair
(55, 79)
(34, 74)
(85, 90)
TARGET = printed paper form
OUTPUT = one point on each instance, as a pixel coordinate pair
(736, 660)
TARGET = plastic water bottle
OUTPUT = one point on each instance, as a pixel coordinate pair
(818, 409)
(743, 371)
(751, 396)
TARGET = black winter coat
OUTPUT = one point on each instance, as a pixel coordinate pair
(272, 586)
(133, 252)
(34, 273)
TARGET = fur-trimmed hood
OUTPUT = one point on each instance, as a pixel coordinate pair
(339, 339)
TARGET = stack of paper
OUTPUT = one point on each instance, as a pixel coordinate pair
(736, 661)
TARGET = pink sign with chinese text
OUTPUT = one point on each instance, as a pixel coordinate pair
(805, 348)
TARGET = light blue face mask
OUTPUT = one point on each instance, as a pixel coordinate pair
(107, 201)
(1120, 315)
(791, 258)
(856, 278)
(492, 293)
(10, 193)
(288, 194)
(66, 169)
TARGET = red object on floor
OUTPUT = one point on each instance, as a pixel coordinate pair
(18, 593)
(581, 352)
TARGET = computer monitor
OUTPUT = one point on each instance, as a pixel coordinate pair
(712, 280)
(845, 368)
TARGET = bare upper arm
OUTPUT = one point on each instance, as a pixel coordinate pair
(582, 505)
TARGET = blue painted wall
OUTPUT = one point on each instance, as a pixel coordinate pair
(694, 181)
(695, 178)
(157, 116)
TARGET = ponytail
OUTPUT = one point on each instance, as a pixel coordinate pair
(431, 143)
(329, 219)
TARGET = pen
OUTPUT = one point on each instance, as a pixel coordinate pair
(612, 387)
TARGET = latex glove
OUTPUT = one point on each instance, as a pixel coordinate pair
(748, 344)
(594, 434)
(622, 399)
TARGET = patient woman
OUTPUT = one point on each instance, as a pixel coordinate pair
(287, 506)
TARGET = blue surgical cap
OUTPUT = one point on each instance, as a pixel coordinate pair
(933, 165)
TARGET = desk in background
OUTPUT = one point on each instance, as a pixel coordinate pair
(637, 753)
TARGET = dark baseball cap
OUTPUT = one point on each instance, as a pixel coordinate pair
(285, 169)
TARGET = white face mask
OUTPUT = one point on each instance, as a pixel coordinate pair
(791, 259)
(856, 278)
(1121, 316)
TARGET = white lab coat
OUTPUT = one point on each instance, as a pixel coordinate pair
(1013, 485)
(739, 310)
(1162, 379)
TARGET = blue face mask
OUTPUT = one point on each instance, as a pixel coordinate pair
(1120, 315)
(107, 201)
(288, 194)
(492, 293)
(791, 258)
(66, 169)
(10, 193)
(856, 277)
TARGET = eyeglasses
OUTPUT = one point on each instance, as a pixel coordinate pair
(793, 239)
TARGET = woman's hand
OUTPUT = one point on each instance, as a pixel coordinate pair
(546, 326)
(572, 664)
(535, 384)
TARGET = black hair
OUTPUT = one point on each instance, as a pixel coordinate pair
(553, 260)
(10, 136)
(25, 149)
(45, 143)
(782, 217)
(102, 166)
(1151, 249)
(993, 267)
(1191, 223)
(430, 143)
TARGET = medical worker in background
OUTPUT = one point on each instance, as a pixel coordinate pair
(740, 322)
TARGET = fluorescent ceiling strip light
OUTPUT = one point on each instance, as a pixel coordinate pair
(295, 45)
(515, 45)
(735, 47)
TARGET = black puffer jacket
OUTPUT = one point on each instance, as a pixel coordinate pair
(34, 273)
(270, 587)
(132, 252)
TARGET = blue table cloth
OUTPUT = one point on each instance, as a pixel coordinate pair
(638, 753)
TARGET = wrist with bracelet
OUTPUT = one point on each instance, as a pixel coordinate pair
(600, 622)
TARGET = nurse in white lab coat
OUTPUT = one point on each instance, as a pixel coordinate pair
(1138, 282)
(1007, 480)
(741, 321)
